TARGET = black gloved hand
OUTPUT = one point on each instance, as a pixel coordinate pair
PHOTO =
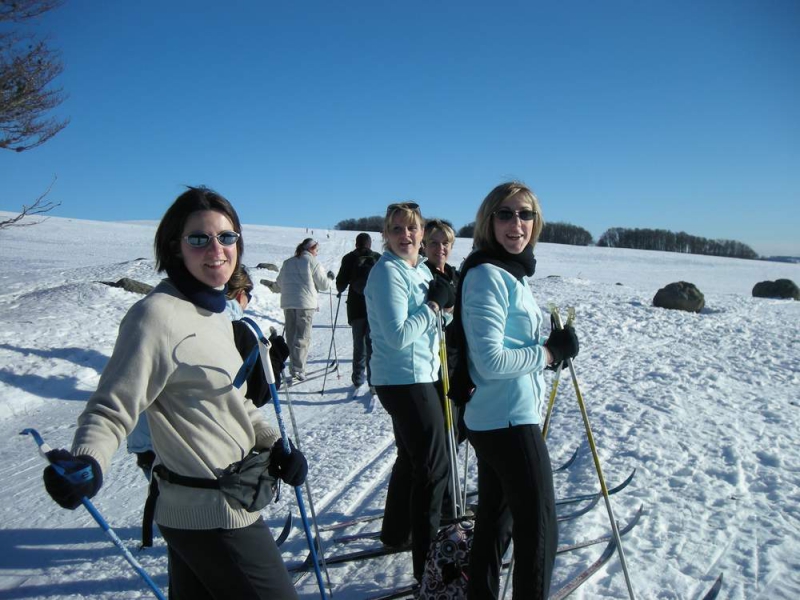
(70, 478)
(331, 276)
(291, 468)
(442, 292)
(563, 344)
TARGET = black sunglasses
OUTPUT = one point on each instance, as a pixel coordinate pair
(408, 205)
(506, 214)
(201, 240)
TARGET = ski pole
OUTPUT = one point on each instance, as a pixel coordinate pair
(448, 418)
(308, 493)
(466, 470)
(332, 347)
(333, 334)
(552, 400)
(598, 467)
(44, 449)
(298, 490)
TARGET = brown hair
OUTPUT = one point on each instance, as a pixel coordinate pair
(170, 229)
(239, 282)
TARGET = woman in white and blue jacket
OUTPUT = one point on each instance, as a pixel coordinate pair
(403, 302)
(506, 357)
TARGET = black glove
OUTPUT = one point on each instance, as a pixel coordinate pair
(563, 344)
(291, 468)
(70, 478)
(442, 292)
(331, 276)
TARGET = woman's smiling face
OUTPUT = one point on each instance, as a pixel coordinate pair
(214, 263)
(515, 234)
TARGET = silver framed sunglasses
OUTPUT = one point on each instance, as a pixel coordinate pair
(201, 240)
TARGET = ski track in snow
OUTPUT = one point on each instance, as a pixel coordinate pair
(704, 406)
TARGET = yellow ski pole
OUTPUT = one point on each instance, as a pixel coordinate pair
(552, 400)
(448, 419)
(598, 467)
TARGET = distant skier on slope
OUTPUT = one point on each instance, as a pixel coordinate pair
(353, 274)
(299, 279)
(175, 357)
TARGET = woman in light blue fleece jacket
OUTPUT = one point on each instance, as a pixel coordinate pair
(402, 305)
(506, 357)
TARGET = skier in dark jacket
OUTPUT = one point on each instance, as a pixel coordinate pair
(353, 274)
(438, 241)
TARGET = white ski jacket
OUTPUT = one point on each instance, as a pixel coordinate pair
(300, 278)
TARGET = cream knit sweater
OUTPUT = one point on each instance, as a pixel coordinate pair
(177, 361)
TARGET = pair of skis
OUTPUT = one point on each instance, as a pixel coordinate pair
(570, 586)
(593, 500)
(369, 518)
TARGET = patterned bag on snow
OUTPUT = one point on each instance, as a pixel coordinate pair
(444, 577)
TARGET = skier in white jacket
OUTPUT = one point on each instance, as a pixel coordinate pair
(300, 278)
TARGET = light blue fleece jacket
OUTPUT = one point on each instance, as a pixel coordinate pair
(403, 328)
(506, 357)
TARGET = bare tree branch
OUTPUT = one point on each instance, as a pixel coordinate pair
(39, 207)
(28, 68)
(21, 10)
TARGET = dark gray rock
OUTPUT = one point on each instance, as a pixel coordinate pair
(680, 296)
(130, 285)
(267, 266)
(780, 288)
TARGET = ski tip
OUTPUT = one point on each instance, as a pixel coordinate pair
(715, 589)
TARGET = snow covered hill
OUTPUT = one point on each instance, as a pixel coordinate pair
(705, 406)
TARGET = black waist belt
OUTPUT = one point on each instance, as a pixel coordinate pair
(150, 504)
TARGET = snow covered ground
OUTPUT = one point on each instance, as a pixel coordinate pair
(705, 407)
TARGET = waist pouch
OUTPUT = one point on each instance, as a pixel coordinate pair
(247, 483)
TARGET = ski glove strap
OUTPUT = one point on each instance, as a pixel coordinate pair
(69, 479)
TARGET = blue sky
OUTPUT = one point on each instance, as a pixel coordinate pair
(680, 115)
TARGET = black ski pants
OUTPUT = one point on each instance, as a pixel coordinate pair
(362, 351)
(220, 564)
(419, 475)
(516, 501)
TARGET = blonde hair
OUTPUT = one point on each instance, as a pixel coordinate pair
(484, 231)
(434, 225)
(409, 213)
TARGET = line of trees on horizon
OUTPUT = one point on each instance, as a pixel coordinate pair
(669, 241)
(615, 237)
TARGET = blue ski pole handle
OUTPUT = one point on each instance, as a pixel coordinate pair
(44, 449)
(263, 345)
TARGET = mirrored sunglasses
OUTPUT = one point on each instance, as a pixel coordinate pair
(201, 240)
(506, 214)
(407, 205)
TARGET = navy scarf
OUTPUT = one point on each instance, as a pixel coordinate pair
(196, 291)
